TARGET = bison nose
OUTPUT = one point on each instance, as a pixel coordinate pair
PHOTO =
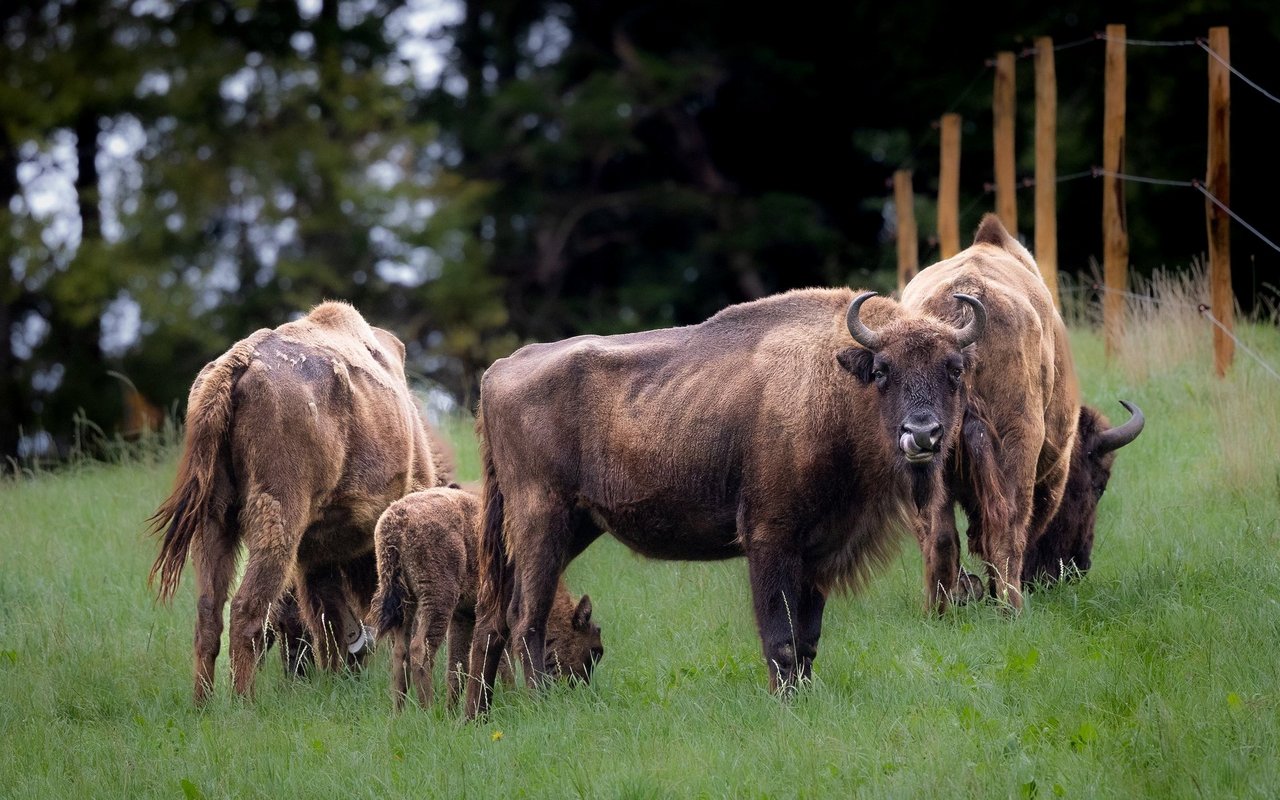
(925, 431)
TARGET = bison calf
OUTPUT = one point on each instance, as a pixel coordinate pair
(426, 546)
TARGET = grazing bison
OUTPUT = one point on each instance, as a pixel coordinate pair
(427, 545)
(1020, 429)
(297, 438)
(800, 431)
(1066, 546)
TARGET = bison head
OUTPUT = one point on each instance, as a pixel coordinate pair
(573, 644)
(1066, 545)
(918, 366)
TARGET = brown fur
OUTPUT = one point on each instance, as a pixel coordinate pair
(1026, 380)
(427, 545)
(764, 431)
(296, 440)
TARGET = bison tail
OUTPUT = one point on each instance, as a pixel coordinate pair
(496, 575)
(184, 515)
(389, 599)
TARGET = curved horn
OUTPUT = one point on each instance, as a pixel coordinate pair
(860, 332)
(973, 331)
(1122, 434)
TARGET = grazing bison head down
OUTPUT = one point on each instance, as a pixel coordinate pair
(573, 641)
(1067, 544)
(918, 366)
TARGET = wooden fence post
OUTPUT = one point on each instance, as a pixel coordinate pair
(1005, 167)
(1047, 166)
(949, 187)
(1115, 230)
(908, 241)
(1218, 183)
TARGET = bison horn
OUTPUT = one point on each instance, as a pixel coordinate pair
(1119, 436)
(973, 331)
(860, 332)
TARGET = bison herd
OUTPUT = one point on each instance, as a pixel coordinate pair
(804, 431)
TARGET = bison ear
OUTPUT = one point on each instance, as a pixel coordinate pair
(857, 361)
(582, 614)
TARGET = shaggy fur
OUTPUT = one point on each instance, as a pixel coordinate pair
(764, 432)
(427, 545)
(296, 440)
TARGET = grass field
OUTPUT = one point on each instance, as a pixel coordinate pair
(1157, 675)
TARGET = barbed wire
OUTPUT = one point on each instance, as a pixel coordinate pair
(1104, 36)
(1208, 314)
(1205, 46)
(1200, 308)
(1201, 188)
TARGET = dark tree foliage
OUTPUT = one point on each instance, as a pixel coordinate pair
(581, 167)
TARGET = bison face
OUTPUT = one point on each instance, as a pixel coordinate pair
(917, 366)
(574, 649)
(1066, 547)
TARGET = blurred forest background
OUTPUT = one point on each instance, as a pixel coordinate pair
(475, 175)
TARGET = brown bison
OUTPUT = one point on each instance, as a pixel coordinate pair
(1021, 424)
(296, 440)
(800, 431)
(1065, 547)
(427, 545)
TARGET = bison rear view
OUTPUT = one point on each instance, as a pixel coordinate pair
(802, 431)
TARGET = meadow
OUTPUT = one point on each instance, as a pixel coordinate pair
(1157, 674)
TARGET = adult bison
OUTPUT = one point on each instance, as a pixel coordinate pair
(297, 439)
(799, 430)
(1065, 548)
(1022, 422)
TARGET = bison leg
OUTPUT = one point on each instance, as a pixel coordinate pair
(461, 628)
(812, 603)
(214, 559)
(776, 591)
(545, 536)
(428, 634)
(941, 546)
(400, 664)
(488, 641)
(271, 542)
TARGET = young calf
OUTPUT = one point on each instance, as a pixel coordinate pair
(427, 546)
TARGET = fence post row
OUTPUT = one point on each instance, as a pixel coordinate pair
(908, 242)
(1115, 227)
(1218, 182)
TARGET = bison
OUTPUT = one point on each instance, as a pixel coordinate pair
(427, 546)
(1065, 547)
(296, 440)
(800, 431)
(1021, 429)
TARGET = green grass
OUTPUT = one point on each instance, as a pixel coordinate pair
(1157, 675)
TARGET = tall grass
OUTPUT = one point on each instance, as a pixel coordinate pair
(1157, 675)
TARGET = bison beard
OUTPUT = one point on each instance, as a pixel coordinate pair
(800, 431)
(297, 438)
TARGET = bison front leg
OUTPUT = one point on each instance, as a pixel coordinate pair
(812, 603)
(940, 545)
(776, 592)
